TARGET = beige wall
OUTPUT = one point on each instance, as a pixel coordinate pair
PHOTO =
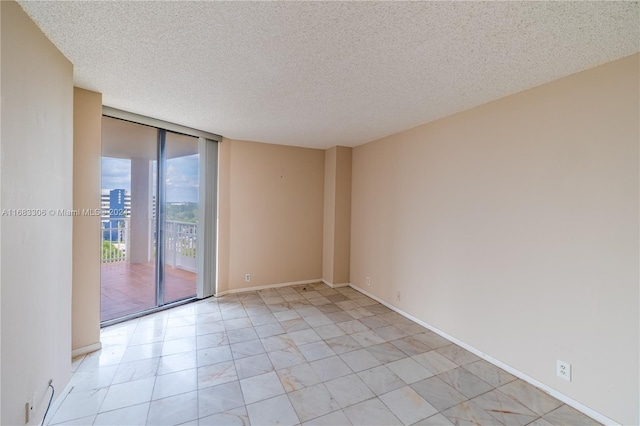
(337, 215)
(36, 169)
(513, 227)
(329, 214)
(342, 241)
(1, 205)
(271, 210)
(87, 119)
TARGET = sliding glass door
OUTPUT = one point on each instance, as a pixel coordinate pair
(150, 195)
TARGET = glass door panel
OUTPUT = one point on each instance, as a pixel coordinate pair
(128, 273)
(181, 188)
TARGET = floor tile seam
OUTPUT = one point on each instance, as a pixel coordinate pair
(317, 417)
(378, 398)
(496, 367)
(512, 399)
(139, 344)
(464, 402)
(84, 358)
(105, 397)
(120, 408)
(53, 415)
(370, 388)
(467, 399)
(294, 407)
(490, 412)
(476, 376)
(392, 412)
(471, 400)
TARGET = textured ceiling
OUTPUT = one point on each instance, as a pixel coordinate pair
(319, 74)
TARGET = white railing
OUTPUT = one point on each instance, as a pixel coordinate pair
(115, 235)
(180, 244)
(181, 239)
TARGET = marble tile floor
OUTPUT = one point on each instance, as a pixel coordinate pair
(306, 354)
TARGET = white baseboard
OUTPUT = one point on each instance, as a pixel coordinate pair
(332, 285)
(560, 396)
(86, 349)
(266, 287)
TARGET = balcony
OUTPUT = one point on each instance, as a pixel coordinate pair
(129, 287)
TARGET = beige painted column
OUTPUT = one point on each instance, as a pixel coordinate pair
(224, 216)
(139, 242)
(337, 216)
(87, 128)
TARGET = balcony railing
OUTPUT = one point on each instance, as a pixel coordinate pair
(115, 238)
(180, 242)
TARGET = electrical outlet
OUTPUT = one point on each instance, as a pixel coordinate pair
(247, 277)
(367, 281)
(30, 409)
(563, 370)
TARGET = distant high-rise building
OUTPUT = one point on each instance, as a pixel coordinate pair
(116, 211)
(106, 203)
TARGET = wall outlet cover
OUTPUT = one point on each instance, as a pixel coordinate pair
(563, 370)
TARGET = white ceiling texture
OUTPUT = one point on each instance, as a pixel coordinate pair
(319, 74)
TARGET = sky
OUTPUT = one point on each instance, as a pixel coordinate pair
(181, 179)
